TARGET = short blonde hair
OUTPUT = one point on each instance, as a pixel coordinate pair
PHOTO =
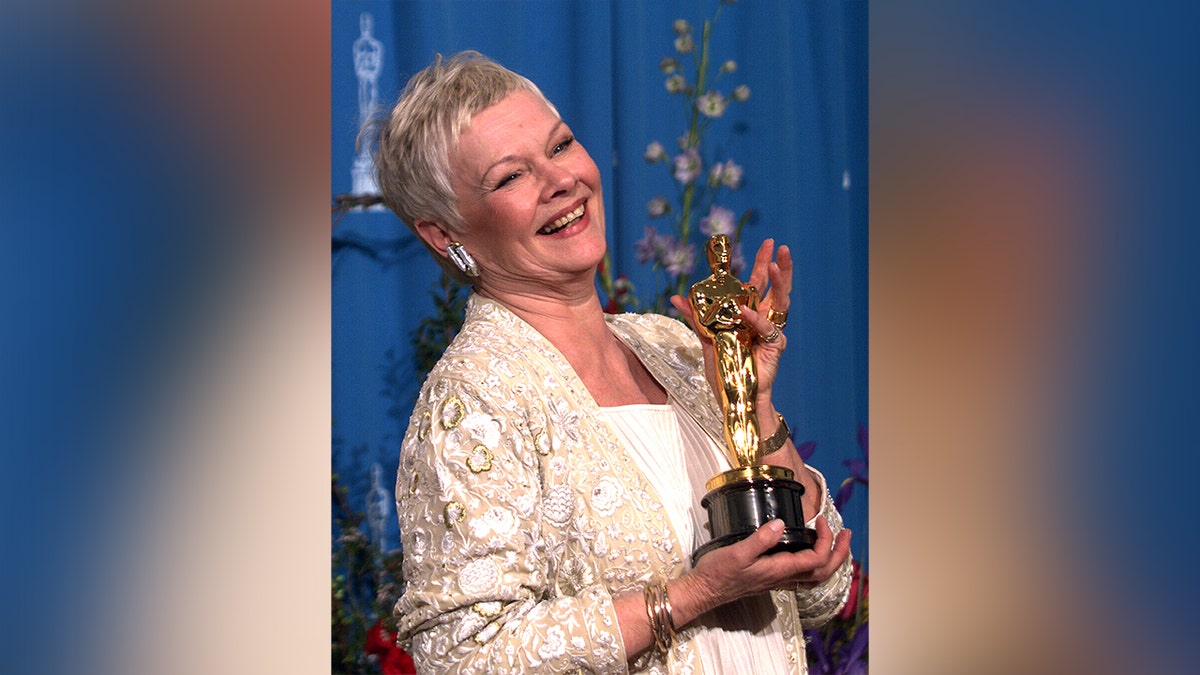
(436, 106)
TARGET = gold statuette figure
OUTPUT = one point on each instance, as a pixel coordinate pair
(716, 304)
(751, 493)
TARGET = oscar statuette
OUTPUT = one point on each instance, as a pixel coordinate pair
(746, 497)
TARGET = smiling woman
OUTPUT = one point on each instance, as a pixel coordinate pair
(534, 191)
(550, 477)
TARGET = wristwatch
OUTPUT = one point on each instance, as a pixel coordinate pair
(776, 440)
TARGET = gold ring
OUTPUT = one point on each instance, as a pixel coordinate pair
(777, 318)
(772, 337)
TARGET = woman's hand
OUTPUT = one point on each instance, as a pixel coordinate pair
(741, 569)
(773, 278)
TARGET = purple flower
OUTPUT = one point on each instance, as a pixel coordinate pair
(858, 471)
(649, 247)
(687, 166)
(719, 220)
(825, 658)
(731, 175)
(657, 206)
(679, 259)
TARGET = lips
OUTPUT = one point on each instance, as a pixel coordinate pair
(564, 221)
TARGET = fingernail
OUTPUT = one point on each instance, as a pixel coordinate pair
(775, 525)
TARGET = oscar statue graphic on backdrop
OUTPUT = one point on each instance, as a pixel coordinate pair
(744, 498)
(368, 64)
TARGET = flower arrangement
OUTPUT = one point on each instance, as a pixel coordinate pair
(840, 646)
(366, 584)
(674, 254)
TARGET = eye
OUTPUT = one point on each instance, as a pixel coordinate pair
(563, 145)
(507, 179)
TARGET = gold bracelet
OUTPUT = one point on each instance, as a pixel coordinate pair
(658, 611)
(667, 617)
(777, 439)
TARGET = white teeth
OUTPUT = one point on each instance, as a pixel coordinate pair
(564, 221)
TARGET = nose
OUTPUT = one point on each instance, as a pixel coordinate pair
(557, 180)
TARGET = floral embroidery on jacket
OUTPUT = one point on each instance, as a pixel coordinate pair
(522, 515)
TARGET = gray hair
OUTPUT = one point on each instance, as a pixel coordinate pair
(436, 106)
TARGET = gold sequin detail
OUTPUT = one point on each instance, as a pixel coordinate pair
(453, 412)
(480, 459)
(412, 484)
(541, 443)
(454, 513)
(489, 609)
(423, 426)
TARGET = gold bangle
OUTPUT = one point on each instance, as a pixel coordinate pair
(777, 439)
(668, 616)
(777, 318)
(658, 611)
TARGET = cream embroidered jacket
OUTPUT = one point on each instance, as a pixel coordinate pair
(521, 514)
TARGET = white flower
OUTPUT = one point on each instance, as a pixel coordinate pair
(712, 104)
(687, 166)
(676, 84)
(496, 520)
(729, 66)
(658, 206)
(654, 152)
(483, 428)
(741, 93)
(731, 175)
(606, 496)
(555, 644)
(420, 542)
(479, 576)
(681, 26)
(684, 44)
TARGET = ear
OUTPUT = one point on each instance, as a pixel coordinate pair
(435, 235)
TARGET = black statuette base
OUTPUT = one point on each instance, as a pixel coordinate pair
(738, 508)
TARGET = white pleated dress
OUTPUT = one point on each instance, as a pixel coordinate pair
(678, 457)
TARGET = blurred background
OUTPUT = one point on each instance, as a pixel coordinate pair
(169, 333)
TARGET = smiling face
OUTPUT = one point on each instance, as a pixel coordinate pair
(530, 195)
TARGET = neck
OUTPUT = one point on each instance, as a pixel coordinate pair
(570, 318)
(575, 325)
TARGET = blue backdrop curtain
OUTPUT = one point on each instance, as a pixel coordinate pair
(801, 138)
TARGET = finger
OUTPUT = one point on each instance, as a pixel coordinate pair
(759, 322)
(780, 275)
(837, 557)
(825, 540)
(762, 259)
(833, 559)
(762, 540)
(685, 310)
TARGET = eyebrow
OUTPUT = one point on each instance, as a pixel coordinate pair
(508, 158)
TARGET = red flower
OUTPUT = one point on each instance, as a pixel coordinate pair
(858, 589)
(392, 659)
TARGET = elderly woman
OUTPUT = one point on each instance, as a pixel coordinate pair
(550, 478)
